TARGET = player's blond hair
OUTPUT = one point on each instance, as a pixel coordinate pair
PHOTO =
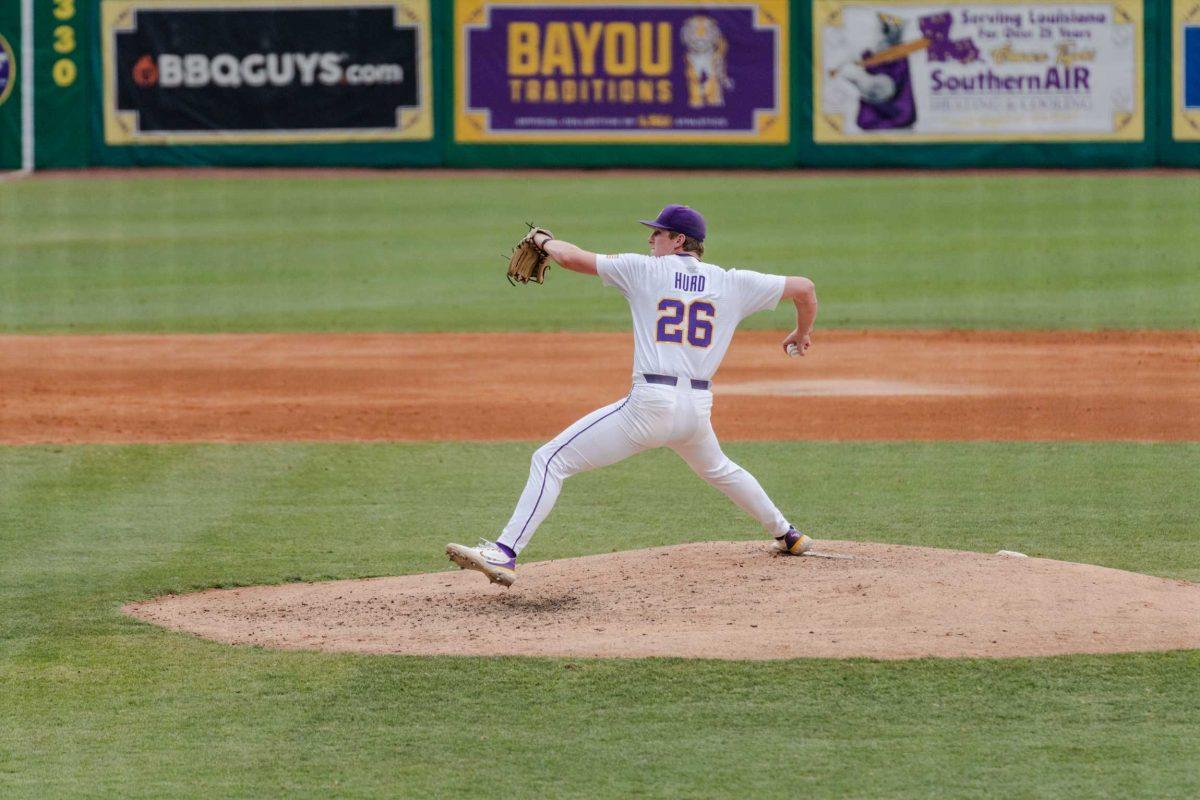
(690, 244)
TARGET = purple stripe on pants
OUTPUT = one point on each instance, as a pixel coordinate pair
(550, 460)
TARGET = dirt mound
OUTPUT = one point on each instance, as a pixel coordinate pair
(728, 600)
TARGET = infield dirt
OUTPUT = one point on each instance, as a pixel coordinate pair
(728, 600)
(937, 385)
(713, 600)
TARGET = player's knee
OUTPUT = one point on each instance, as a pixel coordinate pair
(541, 457)
(726, 472)
(551, 461)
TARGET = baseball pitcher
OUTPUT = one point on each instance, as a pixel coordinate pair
(685, 312)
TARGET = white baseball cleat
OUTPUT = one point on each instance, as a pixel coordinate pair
(486, 558)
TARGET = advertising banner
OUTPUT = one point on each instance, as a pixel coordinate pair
(1185, 66)
(962, 71)
(8, 69)
(226, 72)
(661, 71)
(10, 99)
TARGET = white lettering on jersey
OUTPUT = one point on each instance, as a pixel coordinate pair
(689, 283)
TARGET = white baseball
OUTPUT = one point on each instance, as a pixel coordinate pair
(793, 350)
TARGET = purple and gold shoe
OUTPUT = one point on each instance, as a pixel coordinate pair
(487, 558)
(794, 542)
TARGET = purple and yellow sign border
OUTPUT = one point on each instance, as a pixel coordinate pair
(830, 131)
(1185, 123)
(6, 90)
(771, 125)
(12, 70)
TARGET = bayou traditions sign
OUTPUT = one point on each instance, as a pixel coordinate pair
(583, 71)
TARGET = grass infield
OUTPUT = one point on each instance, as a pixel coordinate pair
(413, 252)
(98, 704)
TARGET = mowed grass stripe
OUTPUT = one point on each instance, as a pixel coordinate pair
(313, 510)
(415, 252)
(96, 703)
(186, 718)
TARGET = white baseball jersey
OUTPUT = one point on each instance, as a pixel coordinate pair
(684, 316)
(684, 311)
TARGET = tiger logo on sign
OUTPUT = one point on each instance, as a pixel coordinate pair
(7, 70)
(707, 73)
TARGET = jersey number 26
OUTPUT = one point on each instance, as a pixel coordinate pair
(699, 322)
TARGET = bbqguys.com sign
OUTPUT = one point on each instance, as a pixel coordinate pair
(194, 70)
(275, 71)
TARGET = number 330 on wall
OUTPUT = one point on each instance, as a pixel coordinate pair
(64, 70)
(699, 315)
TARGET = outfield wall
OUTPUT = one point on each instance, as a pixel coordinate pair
(505, 83)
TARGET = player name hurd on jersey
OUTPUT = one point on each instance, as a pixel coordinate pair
(689, 283)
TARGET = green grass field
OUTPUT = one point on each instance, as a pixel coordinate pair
(94, 704)
(98, 704)
(416, 252)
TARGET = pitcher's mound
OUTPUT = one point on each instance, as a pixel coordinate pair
(732, 600)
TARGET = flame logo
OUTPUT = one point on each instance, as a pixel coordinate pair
(145, 72)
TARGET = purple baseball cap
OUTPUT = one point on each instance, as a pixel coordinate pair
(680, 219)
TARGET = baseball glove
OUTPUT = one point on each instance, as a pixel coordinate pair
(529, 260)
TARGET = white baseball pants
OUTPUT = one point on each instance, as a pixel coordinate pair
(653, 415)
